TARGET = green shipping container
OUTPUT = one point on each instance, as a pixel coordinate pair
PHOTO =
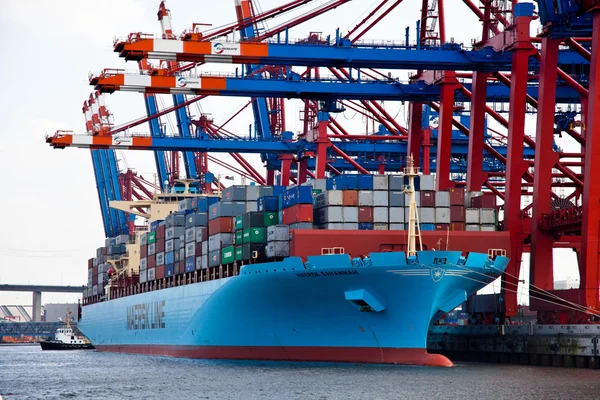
(254, 235)
(238, 223)
(239, 237)
(316, 192)
(271, 218)
(239, 253)
(228, 255)
(151, 237)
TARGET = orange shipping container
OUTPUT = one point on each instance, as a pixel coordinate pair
(220, 225)
(350, 198)
(297, 213)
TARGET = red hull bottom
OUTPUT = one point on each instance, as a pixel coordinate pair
(328, 354)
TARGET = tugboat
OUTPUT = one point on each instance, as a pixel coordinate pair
(65, 339)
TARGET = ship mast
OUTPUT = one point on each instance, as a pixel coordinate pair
(414, 229)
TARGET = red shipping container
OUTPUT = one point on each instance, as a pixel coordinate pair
(220, 225)
(159, 272)
(104, 251)
(457, 226)
(94, 271)
(298, 213)
(442, 227)
(350, 198)
(144, 251)
(95, 279)
(198, 249)
(310, 242)
(488, 200)
(160, 232)
(160, 245)
(152, 261)
(178, 268)
(457, 214)
(365, 214)
(457, 196)
(428, 198)
(90, 263)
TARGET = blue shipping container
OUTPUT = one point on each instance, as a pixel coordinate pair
(428, 227)
(297, 195)
(365, 226)
(169, 258)
(365, 182)
(154, 225)
(277, 190)
(169, 270)
(190, 264)
(205, 202)
(346, 182)
(329, 184)
(268, 203)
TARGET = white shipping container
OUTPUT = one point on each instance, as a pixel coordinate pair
(143, 276)
(442, 199)
(205, 247)
(143, 263)
(329, 198)
(472, 216)
(278, 249)
(442, 215)
(95, 290)
(152, 249)
(427, 215)
(350, 226)
(160, 259)
(487, 216)
(332, 226)
(396, 215)
(331, 214)
(350, 214)
(190, 234)
(488, 228)
(251, 206)
(365, 198)
(380, 182)
(427, 182)
(204, 261)
(380, 199)
(151, 274)
(252, 193)
(472, 228)
(397, 227)
(380, 215)
(381, 227)
(190, 250)
(278, 233)
(199, 262)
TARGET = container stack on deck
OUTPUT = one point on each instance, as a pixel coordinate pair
(250, 224)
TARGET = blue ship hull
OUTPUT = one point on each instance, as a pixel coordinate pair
(325, 310)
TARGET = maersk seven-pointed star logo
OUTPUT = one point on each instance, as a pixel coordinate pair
(437, 274)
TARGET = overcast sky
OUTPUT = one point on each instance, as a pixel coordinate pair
(52, 223)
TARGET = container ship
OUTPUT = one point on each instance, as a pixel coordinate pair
(348, 269)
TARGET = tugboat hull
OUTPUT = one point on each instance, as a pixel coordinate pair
(54, 345)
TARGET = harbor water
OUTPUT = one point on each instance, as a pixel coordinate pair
(28, 373)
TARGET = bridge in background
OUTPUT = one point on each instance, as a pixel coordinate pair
(17, 329)
(37, 295)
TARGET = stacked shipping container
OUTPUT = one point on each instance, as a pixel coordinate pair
(254, 224)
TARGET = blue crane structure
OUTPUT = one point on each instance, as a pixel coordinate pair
(106, 169)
